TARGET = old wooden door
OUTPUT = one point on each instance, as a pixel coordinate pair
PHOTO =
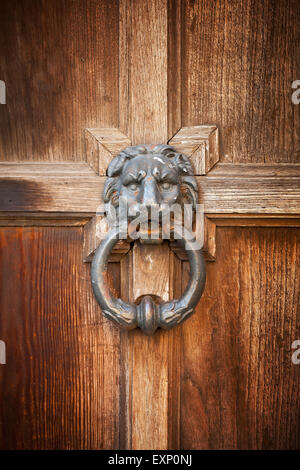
(83, 80)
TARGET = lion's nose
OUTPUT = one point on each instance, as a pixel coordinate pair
(150, 194)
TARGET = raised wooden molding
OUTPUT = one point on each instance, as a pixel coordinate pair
(209, 245)
(256, 170)
(45, 219)
(201, 144)
(74, 188)
(234, 220)
(102, 145)
(94, 232)
(44, 171)
(69, 193)
(96, 228)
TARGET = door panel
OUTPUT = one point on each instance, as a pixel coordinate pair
(239, 59)
(60, 385)
(240, 389)
(60, 66)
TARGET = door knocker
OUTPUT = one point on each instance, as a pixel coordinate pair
(149, 185)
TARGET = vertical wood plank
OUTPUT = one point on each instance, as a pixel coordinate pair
(151, 271)
(150, 376)
(175, 359)
(148, 72)
(60, 66)
(240, 389)
(239, 59)
(148, 364)
(147, 123)
(174, 66)
(60, 386)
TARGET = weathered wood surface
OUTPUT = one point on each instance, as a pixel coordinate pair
(60, 62)
(144, 35)
(224, 378)
(101, 145)
(258, 170)
(60, 386)
(151, 271)
(238, 63)
(240, 389)
(150, 369)
(201, 144)
(147, 361)
(230, 189)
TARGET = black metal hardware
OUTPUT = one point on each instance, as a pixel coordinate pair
(146, 177)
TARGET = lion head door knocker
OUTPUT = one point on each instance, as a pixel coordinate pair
(140, 179)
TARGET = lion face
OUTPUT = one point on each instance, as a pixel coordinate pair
(150, 176)
(149, 181)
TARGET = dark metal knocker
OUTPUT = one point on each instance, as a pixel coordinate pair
(148, 177)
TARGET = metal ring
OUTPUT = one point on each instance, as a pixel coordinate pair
(147, 315)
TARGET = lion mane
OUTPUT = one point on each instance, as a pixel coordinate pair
(176, 160)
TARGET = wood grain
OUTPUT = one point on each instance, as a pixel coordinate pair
(60, 66)
(239, 59)
(224, 379)
(60, 386)
(258, 170)
(200, 144)
(240, 389)
(102, 145)
(174, 66)
(150, 271)
(150, 376)
(144, 29)
(147, 358)
(148, 364)
(232, 189)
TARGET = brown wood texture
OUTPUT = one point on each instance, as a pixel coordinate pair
(224, 379)
(101, 145)
(233, 189)
(200, 144)
(60, 386)
(174, 66)
(239, 59)
(143, 35)
(60, 63)
(148, 363)
(150, 372)
(240, 389)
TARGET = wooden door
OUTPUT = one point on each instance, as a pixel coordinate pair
(82, 81)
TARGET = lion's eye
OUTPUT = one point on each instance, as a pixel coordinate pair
(166, 186)
(132, 186)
